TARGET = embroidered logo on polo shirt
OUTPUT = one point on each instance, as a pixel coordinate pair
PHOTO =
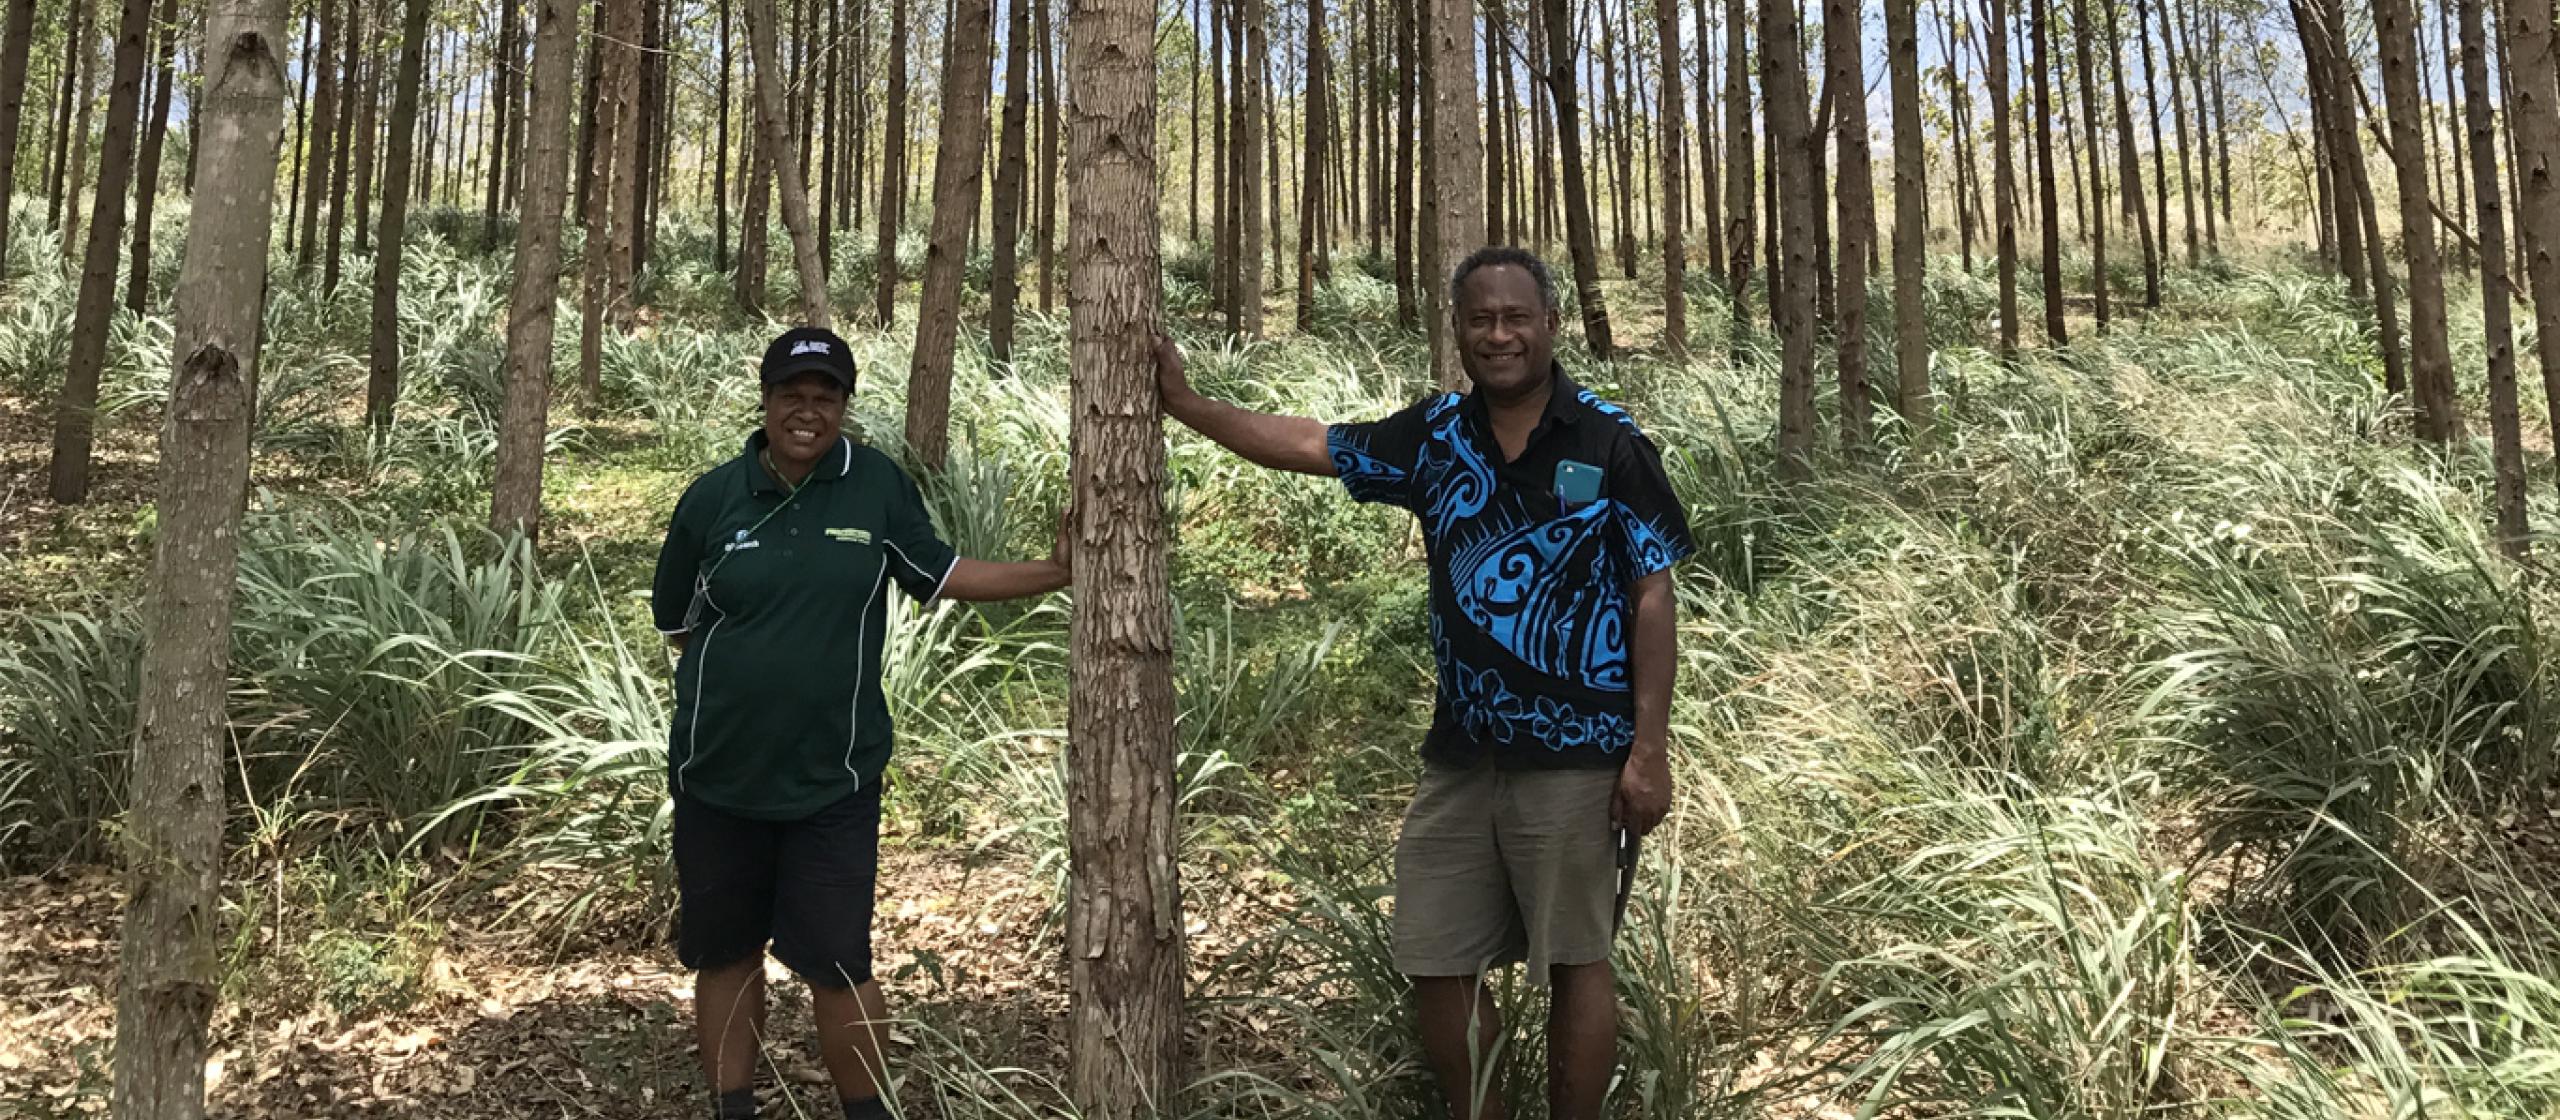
(741, 544)
(850, 536)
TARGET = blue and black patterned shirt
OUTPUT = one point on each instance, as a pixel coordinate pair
(1530, 591)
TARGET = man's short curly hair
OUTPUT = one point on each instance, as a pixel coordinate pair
(1495, 255)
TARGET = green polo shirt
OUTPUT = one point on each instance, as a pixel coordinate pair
(785, 596)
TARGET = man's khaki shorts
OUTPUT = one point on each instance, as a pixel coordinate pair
(1497, 867)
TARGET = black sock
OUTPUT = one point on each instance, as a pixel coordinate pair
(736, 1104)
(868, 1108)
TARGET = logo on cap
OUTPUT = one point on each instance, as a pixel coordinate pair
(808, 346)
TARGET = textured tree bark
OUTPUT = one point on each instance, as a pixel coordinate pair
(17, 38)
(1791, 142)
(1457, 157)
(1311, 197)
(1740, 195)
(958, 167)
(792, 187)
(351, 94)
(1124, 908)
(75, 415)
(2533, 96)
(146, 174)
(2506, 429)
(610, 116)
(1005, 287)
(1049, 140)
(1408, 55)
(167, 974)
(2431, 357)
(754, 243)
(720, 150)
(2048, 198)
(893, 170)
(2159, 149)
(368, 129)
(2004, 181)
(324, 127)
(1910, 216)
(623, 186)
(1844, 45)
(1675, 173)
(76, 184)
(1245, 95)
(1710, 177)
(2091, 125)
(1582, 240)
(515, 498)
(2178, 118)
(1960, 103)
(2129, 165)
(382, 385)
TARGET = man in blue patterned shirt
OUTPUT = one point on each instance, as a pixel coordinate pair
(1551, 531)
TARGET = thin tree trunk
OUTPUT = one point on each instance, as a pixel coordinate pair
(324, 126)
(2158, 255)
(1408, 60)
(168, 972)
(1004, 289)
(1910, 216)
(755, 245)
(1614, 139)
(893, 170)
(2129, 165)
(1675, 173)
(958, 163)
(2004, 184)
(1740, 196)
(1843, 27)
(1049, 140)
(2091, 126)
(382, 384)
(1581, 237)
(78, 183)
(1791, 143)
(368, 136)
(75, 417)
(2039, 20)
(66, 97)
(2533, 95)
(1959, 99)
(784, 157)
(515, 497)
(1710, 176)
(503, 77)
(299, 150)
(2498, 331)
(352, 92)
(720, 152)
(611, 117)
(2178, 118)
(2221, 117)
(2431, 367)
(635, 237)
(146, 178)
(1248, 36)
(17, 39)
(1124, 916)
(1311, 202)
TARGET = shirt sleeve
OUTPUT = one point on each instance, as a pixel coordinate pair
(918, 559)
(1377, 460)
(671, 592)
(1650, 523)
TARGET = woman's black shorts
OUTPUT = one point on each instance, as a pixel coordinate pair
(803, 886)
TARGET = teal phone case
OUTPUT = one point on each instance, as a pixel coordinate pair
(1577, 484)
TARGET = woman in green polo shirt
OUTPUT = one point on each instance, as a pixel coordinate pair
(774, 584)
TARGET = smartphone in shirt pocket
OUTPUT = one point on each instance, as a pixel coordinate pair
(1577, 484)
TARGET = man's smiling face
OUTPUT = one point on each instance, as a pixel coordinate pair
(1506, 332)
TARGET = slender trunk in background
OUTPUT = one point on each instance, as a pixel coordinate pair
(75, 416)
(633, 235)
(1959, 99)
(2091, 125)
(2197, 81)
(1124, 916)
(17, 38)
(1408, 50)
(382, 385)
(720, 152)
(77, 184)
(2178, 118)
(146, 175)
(168, 970)
(2386, 312)
(352, 92)
(1741, 197)
(1826, 292)
(1910, 217)
(1222, 186)
(1244, 315)
(1581, 239)
(792, 187)
(1311, 200)
(2221, 116)
(1622, 225)
(368, 141)
(515, 496)
(2531, 86)
(2048, 199)
(1004, 286)
(2454, 100)
(1791, 143)
(299, 150)
(755, 244)
(1495, 172)
(1844, 45)
(2506, 428)
(1048, 235)
(959, 160)
(58, 163)
(615, 21)
(830, 79)
(893, 170)
(624, 188)
(324, 127)
(503, 78)
(2158, 255)
(2334, 114)
(2004, 183)
(1675, 173)
(2431, 365)
(1710, 176)
(2129, 165)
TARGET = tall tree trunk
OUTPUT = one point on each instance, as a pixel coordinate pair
(2091, 125)
(2221, 116)
(1740, 196)
(1614, 138)
(628, 25)
(1124, 915)
(1791, 143)
(1843, 34)
(2178, 118)
(720, 151)
(1675, 174)
(1311, 199)
(515, 497)
(1249, 95)
(2506, 429)
(633, 236)
(2431, 367)
(2333, 111)
(1408, 60)
(368, 136)
(17, 38)
(1910, 216)
(1004, 288)
(382, 385)
(1959, 100)
(893, 170)
(324, 126)
(1049, 138)
(792, 187)
(2004, 183)
(1710, 176)
(77, 184)
(755, 243)
(352, 92)
(168, 970)
(146, 177)
(2533, 95)
(2048, 199)
(66, 94)
(299, 150)
(2129, 165)
(1495, 170)
(1581, 238)
(75, 416)
(2159, 255)
(611, 116)
(958, 163)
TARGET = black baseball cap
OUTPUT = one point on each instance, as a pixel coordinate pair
(808, 350)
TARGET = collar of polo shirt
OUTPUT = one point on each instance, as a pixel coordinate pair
(828, 469)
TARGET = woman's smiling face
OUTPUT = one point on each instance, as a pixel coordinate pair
(802, 418)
